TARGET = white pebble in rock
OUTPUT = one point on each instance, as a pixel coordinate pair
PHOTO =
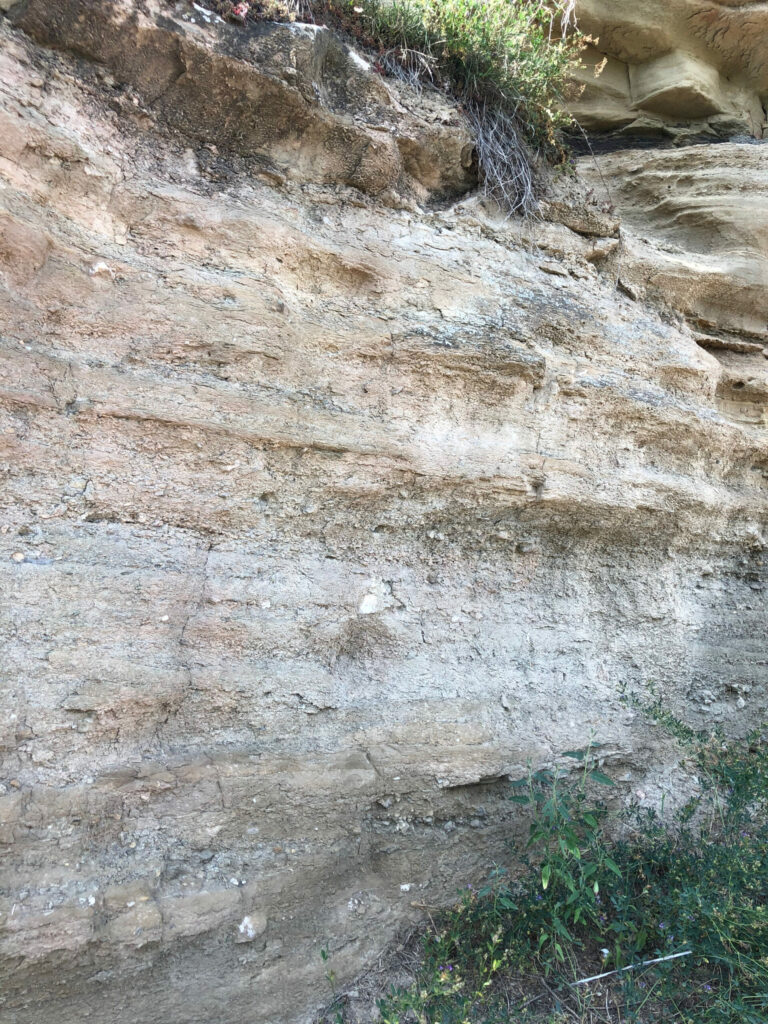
(368, 605)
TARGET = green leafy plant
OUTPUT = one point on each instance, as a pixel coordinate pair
(566, 835)
(511, 926)
(672, 918)
(330, 977)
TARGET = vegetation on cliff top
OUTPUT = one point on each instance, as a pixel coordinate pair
(506, 61)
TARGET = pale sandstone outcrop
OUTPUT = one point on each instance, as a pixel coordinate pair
(695, 239)
(323, 515)
(682, 61)
(695, 231)
(603, 101)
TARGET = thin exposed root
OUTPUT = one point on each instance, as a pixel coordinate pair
(411, 66)
(506, 162)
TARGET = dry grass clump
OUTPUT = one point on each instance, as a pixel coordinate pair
(506, 61)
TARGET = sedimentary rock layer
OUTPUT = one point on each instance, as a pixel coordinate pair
(695, 233)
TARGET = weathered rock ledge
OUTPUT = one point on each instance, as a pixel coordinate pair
(676, 69)
(327, 507)
(293, 95)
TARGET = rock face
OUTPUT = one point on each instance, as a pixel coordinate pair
(695, 234)
(328, 506)
(675, 67)
(297, 98)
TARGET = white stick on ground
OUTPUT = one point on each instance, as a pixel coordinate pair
(631, 967)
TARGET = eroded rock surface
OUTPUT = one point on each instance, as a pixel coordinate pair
(675, 67)
(695, 239)
(325, 508)
(293, 95)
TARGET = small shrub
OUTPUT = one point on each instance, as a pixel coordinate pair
(584, 905)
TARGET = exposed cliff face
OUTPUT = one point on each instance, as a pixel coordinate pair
(326, 506)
